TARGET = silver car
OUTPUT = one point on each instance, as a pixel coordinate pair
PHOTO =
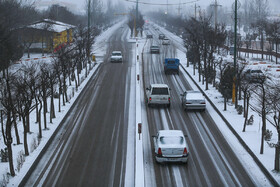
(165, 41)
(193, 100)
(170, 146)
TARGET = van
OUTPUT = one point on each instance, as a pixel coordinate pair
(158, 94)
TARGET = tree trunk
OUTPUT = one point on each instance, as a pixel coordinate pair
(37, 111)
(25, 136)
(27, 122)
(247, 112)
(276, 162)
(225, 103)
(39, 117)
(276, 53)
(11, 162)
(16, 129)
(263, 132)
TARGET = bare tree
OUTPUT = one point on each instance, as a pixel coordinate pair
(274, 98)
(273, 32)
(264, 106)
(25, 85)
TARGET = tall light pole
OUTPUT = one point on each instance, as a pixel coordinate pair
(136, 20)
(234, 90)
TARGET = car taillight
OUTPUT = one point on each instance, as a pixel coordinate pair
(185, 152)
(188, 103)
(202, 103)
(169, 99)
(150, 98)
(159, 152)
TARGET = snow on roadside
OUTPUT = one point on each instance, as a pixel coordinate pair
(99, 50)
(252, 136)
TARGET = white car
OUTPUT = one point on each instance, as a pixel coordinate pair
(254, 76)
(165, 41)
(193, 100)
(116, 56)
(170, 146)
(158, 94)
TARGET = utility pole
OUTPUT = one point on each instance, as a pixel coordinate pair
(215, 5)
(179, 9)
(234, 90)
(136, 20)
(88, 35)
(195, 8)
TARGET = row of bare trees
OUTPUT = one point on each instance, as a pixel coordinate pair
(31, 86)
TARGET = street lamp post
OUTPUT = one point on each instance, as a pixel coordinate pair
(1, 113)
(234, 91)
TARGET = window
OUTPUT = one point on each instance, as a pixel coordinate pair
(160, 91)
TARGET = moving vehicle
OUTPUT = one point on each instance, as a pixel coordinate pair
(254, 76)
(170, 146)
(193, 100)
(165, 41)
(161, 36)
(149, 36)
(158, 94)
(171, 65)
(154, 49)
(116, 56)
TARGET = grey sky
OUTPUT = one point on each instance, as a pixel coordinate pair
(79, 5)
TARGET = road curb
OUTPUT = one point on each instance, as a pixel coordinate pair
(245, 146)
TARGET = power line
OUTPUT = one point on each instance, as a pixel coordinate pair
(162, 4)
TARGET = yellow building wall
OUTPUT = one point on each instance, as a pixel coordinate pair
(62, 37)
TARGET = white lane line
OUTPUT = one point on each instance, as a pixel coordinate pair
(113, 167)
(177, 176)
(221, 174)
(219, 150)
(195, 154)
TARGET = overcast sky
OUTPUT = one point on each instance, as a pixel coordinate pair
(79, 5)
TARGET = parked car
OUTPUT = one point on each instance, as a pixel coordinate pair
(193, 100)
(154, 49)
(149, 36)
(165, 41)
(116, 56)
(254, 75)
(158, 94)
(170, 146)
(161, 36)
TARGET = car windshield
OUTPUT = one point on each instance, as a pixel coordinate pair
(195, 96)
(160, 91)
(171, 140)
(171, 61)
(116, 54)
(256, 71)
